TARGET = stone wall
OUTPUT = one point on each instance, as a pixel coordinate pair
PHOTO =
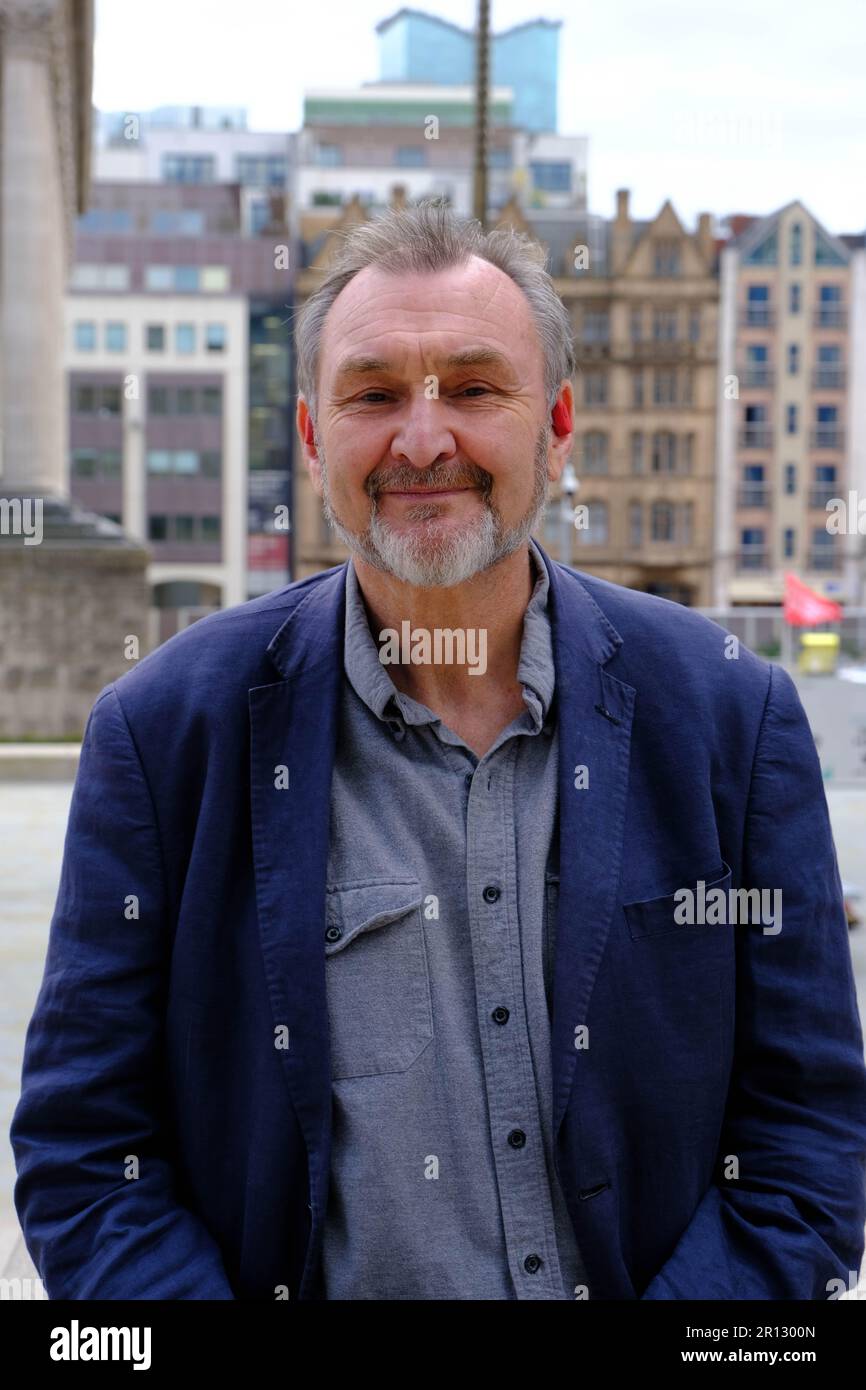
(65, 615)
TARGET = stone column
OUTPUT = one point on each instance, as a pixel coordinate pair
(34, 223)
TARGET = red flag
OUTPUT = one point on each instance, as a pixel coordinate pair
(804, 607)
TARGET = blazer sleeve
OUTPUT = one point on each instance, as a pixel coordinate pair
(795, 1120)
(90, 1114)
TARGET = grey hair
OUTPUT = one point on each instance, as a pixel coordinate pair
(430, 237)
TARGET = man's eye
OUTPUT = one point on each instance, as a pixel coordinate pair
(474, 388)
(367, 394)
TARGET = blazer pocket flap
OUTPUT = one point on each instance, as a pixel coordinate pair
(361, 907)
(656, 916)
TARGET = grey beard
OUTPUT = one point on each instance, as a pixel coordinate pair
(426, 562)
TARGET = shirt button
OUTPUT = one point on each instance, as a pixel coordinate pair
(517, 1139)
(333, 933)
(500, 1015)
(532, 1264)
(491, 894)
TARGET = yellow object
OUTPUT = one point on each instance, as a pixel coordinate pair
(819, 653)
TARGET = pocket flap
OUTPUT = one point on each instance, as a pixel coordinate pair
(354, 908)
(655, 916)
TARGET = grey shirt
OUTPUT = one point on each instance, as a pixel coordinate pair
(441, 907)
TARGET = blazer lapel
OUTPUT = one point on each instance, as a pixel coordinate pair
(293, 727)
(595, 712)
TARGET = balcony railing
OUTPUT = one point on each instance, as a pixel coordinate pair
(829, 378)
(827, 437)
(757, 316)
(756, 437)
(756, 495)
(661, 349)
(757, 376)
(754, 558)
(821, 494)
(824, 559)
(830, 317)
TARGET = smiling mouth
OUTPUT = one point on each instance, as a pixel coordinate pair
(427, 492)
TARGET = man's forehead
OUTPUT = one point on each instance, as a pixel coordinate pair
(452, 299)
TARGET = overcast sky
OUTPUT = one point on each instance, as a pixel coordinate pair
(735, 106)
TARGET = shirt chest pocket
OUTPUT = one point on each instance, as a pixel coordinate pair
(377, 977)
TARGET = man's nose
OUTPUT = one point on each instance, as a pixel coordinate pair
(424, 434)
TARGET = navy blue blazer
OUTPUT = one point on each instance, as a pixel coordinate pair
(710, 1123)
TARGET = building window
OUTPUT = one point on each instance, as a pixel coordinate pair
(410, 156)
(791, 419)
(752, 548)
(758, 306)
(186, 400)
(211, 400)
(664, 387)
(794, 299)
(157, 527)
(84, 463)
(215, 337)
(102, 221)
(664, 452)
(637, 325)
(85, 335)
(662, 521)
(186, 222)
(210, 528)
(184, 337)
(550, 175)
(186, 278)
(830, 312)
(109, 400)
(595, 388)
(694, 325)
(159, 278)
(99, 277)
(788, 542)
(157, 400)
(188, 168)
(664, 325)
(790, 478)
(184, 528)
(793, 359)
(115, 337)
(687, 523)
(211, 463)
(215, 279)
(688, 452)
(637, 452)
(635, 525)
(155, 337)
(637, 387)
(329, 154)
(595, 452)
(596, 326)
(158, 461)
(666, 258)
(261, 169)
(796, 248)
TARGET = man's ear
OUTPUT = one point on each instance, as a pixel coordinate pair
(562, 431)
(307, 435)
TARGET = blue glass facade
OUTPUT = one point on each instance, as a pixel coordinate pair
(415, 47)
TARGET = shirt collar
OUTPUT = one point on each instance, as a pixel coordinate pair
(371, 682)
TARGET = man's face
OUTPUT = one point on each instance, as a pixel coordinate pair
(433, 416)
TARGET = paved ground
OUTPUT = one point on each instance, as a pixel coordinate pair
(32, 824)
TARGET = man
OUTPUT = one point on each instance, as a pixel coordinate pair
(451, 924)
